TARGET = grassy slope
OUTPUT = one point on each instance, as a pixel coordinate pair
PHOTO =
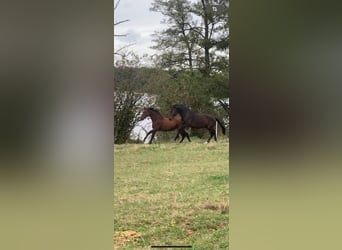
(171, 194)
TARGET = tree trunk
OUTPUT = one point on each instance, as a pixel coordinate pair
(206, 42)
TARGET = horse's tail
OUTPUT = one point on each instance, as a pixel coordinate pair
(223, 128)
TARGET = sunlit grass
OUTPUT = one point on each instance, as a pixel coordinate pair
(171, 194)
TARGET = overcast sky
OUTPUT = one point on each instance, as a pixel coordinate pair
(142, 23)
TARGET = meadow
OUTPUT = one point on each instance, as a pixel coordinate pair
(171, 194)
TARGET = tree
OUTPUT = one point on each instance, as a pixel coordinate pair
(196, 36)
(178, 41)
(129, 95)
(214, 31)
(116, 23)
(127, 83)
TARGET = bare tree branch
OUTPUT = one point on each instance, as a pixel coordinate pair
(122, 48)
(117, 4)
(224, 105)
(117, 52)
(119, 22)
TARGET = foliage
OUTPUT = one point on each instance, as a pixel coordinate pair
(178, 41)
(196, 36)
(128, 96)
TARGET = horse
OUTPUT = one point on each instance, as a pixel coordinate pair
(161, 123)
(196, 120)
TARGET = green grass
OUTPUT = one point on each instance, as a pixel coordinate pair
(171, 194)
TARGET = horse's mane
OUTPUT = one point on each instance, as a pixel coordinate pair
(180, 107)
(155, 110)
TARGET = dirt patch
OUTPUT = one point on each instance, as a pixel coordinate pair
(121, 237)
(220, 207)
(189, 232)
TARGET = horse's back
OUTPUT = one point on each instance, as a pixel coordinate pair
(170, 124)
(198, 120)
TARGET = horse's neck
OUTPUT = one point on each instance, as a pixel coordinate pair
(185, 114)
(154, 116)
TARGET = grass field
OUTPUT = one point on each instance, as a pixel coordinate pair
(171, 194)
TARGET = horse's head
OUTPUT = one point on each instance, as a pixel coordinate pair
(145, 114)
(178, 109)
(174, 111)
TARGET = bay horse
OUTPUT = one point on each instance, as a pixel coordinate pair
(196, 120)
(162, 123)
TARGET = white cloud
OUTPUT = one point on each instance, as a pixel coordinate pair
(141, 25)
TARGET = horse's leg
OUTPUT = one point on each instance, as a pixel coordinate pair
(215, 135)
(147, 135)
(187, 136)
(178, 132)
(181, 129)
(183, 136)
(152, 136)
(177, 135)
(212, 133)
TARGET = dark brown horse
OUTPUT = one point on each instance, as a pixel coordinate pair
(196, 120)
(161, 123)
